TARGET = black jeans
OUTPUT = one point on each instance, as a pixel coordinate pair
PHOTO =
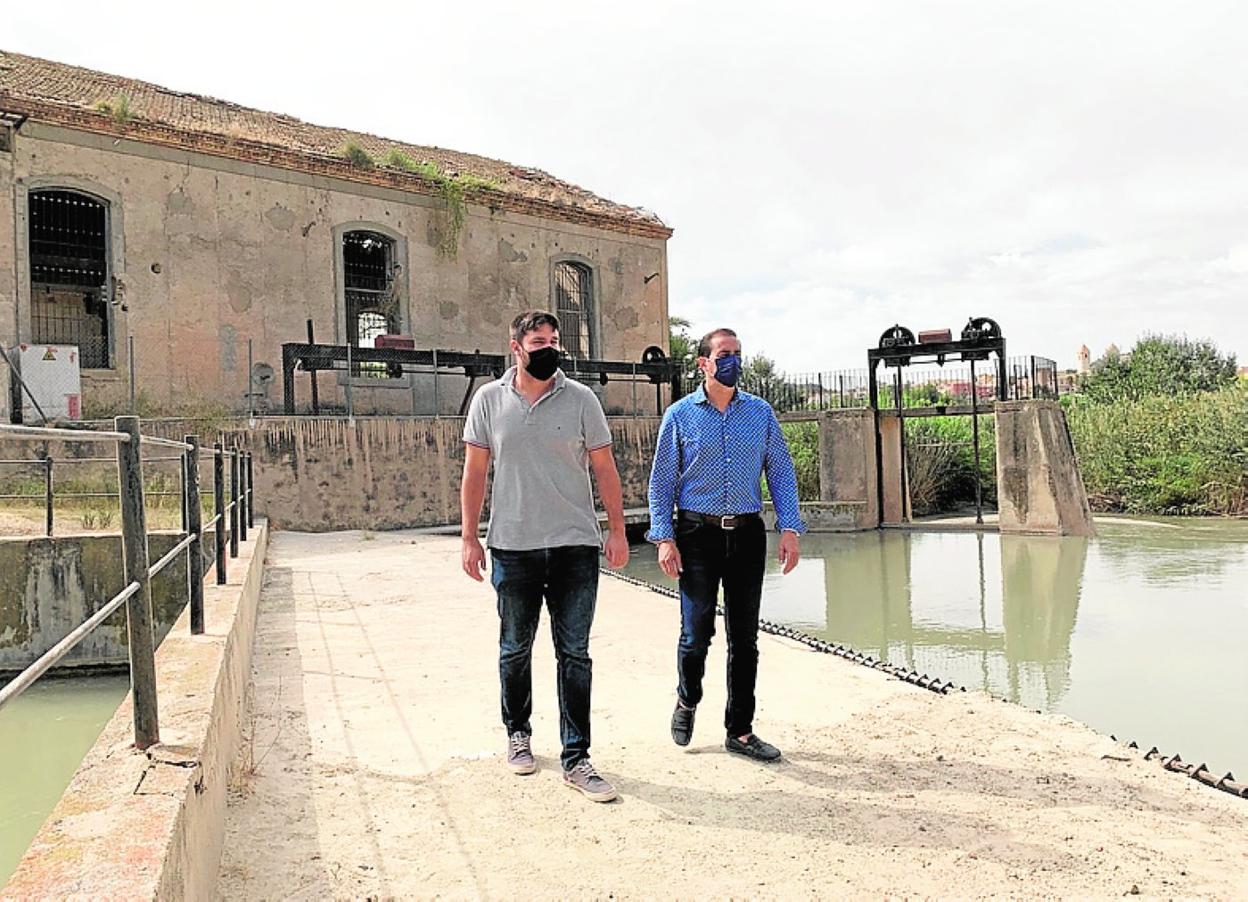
(568, 579)
(736, 558)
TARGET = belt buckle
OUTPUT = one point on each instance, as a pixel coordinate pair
(728, 522)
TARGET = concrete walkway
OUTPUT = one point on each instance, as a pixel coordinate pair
(375, 766)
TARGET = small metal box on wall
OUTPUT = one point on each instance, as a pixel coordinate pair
(51, 373)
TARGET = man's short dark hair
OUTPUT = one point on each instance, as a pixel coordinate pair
(704, 346)
(531, 321)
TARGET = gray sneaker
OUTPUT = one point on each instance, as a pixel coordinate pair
(583, 778)
(519, 755)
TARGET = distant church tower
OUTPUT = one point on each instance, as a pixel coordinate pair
(1085, 361)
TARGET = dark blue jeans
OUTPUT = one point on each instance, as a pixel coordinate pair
(736, 558)
(567, 577)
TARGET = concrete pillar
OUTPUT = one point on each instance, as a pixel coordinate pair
(847, 473)
(896, 482)
(1039, 486)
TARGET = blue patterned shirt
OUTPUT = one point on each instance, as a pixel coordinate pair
(712, 462)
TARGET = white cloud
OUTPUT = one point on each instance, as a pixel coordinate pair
(1074, 170)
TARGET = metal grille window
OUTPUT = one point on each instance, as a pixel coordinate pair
(368, 282)
(574, 290)
(69, 274)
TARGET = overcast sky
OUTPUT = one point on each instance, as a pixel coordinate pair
(1078, 171)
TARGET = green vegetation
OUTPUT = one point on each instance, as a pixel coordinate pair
(1160, 365)
(118, 108)
(1163, 430)
(355, 154)
(451, 188)
(804, 446)
(940, 456)
(1164, 454)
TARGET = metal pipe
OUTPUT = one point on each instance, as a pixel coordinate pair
(130, 364)
(350, 399)
(48, 495)
(21, 382)
(139, 606)
(182, 492)
(234, 503)
(242, 496)
(251, 493)
(164, 443)
(9, 430)
(634, 385)
(194, 526)
(901, 463)
(218, 497)
(48, 659)
(437, 405)
(979, 490)
(316, 396)
(170, 555)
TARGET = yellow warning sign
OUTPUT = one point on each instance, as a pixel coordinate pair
(49, 354)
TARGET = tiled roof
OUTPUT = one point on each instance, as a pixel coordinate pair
(60, 94)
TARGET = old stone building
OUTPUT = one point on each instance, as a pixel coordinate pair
(194, 230)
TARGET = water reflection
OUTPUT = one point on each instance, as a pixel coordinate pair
(1005, 605)
(1138, 631)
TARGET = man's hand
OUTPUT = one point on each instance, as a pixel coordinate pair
(617, 549)
(790, 551)
(669, 559)
(473, 558)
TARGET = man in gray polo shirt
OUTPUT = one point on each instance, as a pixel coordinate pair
(543, 432)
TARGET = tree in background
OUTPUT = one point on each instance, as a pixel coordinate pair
(1168, 365)
(682, 346)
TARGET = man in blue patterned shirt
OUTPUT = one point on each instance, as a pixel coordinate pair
(714, 446)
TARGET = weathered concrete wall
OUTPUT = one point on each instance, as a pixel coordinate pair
(847, 472)
(150, 825)
(50, 586)
(1039, 485)
(389, 473)
(213, 252)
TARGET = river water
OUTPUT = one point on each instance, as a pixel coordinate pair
(43, 736)
(1139, 632)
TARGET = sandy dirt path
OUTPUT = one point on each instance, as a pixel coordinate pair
(376, 766)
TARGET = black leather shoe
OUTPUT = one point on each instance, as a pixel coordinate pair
(753, 747)
(682, 724)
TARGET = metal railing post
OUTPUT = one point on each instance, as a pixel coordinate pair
(194, 525)
(182, 485)
(218, 497)
(234, 503)
(242, 495)
(48, 492)
(139, 605)
(251, 493)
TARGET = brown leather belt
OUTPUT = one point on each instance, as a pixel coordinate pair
(726, 522)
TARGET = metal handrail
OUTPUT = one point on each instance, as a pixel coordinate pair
(23, 680)
(164, 442)
(234, 517)
(170, 555)
(67, 435)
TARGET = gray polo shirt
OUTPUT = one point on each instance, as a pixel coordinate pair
(542, 496)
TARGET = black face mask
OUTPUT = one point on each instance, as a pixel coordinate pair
(542, 363)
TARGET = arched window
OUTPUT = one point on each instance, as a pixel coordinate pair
(69, 274)
(368, 283)
(574, 305)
